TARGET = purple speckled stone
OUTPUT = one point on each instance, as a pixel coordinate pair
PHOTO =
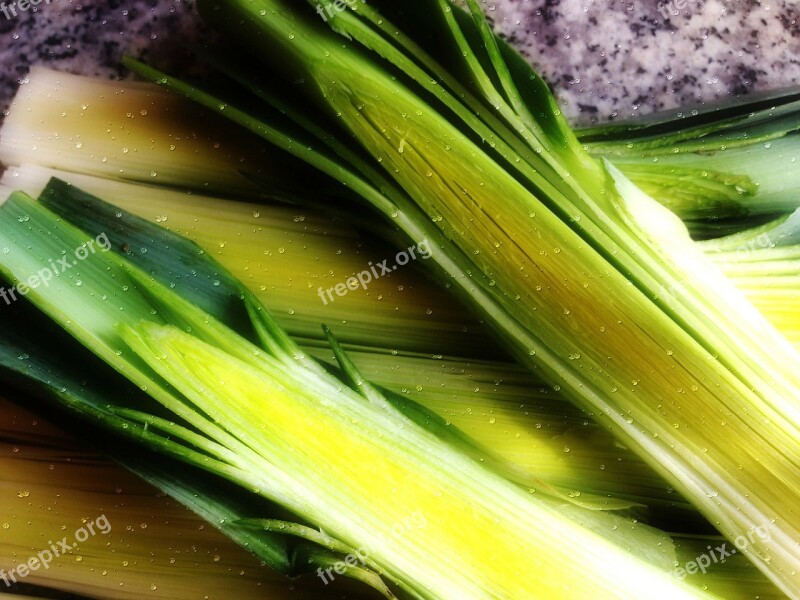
(90, 37)
(604, 58)
(618, 58)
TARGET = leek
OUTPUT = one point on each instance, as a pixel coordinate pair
(500, 405)
(82, 102)
(52, 486)
(158, 203)
(531, 430)
(563, 256)
(518, 427)
(722, 162)
(116, 129)
(36, 355)
(297, 452)
(195, 147)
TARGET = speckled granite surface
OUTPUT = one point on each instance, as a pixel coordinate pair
(90, 36)
(617, 58)
(604, 58)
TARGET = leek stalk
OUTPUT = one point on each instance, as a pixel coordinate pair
(563, 256)
(260, 413)
(52, 485)
(728, 162)
(160, 200)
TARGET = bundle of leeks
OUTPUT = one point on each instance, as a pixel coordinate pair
(582, 275)
(560, 579)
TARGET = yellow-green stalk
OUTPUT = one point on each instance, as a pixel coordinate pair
(146, 546)
(53, 109)
(100, 127)
(564, 257)
(344, 460)
(502, 406)
(160, 217)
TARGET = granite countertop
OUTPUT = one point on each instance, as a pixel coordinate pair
(610, 59)
(604, 58)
